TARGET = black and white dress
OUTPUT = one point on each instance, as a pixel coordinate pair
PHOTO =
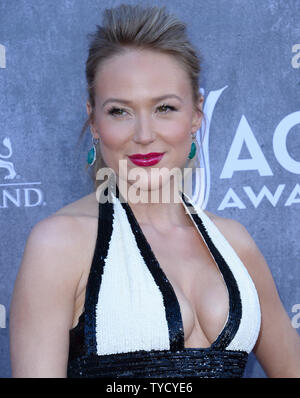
(132, 326)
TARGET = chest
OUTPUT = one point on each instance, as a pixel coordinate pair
(197, 282)
(165, 291)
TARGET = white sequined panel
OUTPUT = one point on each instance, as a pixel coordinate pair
(130, 313)
(249, 327)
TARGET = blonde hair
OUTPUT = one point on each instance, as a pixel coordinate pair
(140, 27)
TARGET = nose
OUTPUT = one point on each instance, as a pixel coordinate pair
(144, 133)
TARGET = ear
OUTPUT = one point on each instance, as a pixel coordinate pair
(92, 126)
(197, 114)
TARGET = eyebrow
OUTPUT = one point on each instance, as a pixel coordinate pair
(156, 99)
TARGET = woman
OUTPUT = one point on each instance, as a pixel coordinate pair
(147, 288)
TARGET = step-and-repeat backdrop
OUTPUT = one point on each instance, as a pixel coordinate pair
(251, 83)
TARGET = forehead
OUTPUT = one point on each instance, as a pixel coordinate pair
(139, 74)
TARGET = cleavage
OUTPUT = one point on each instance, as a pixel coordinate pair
(197, 282)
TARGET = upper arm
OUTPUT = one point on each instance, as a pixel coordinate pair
(278, 344)
(42, 304)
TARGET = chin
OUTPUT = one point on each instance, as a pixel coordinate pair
(155, 189)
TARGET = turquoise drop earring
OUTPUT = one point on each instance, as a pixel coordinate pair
(193, 148)
(91, 157)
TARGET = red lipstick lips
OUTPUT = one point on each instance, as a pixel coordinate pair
(147, 159)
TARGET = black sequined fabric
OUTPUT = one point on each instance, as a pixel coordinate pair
(192, 362)
(177, 361)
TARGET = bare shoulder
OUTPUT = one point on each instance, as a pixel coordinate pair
(247, 250)
(67, 225)
(249, 253)
(236, 234)
(66, 238)
(278, 345)
(225, 222)
(57, 252)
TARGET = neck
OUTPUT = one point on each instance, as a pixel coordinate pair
(154, 207)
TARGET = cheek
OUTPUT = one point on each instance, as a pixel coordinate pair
(112, 136)
(179, 137)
